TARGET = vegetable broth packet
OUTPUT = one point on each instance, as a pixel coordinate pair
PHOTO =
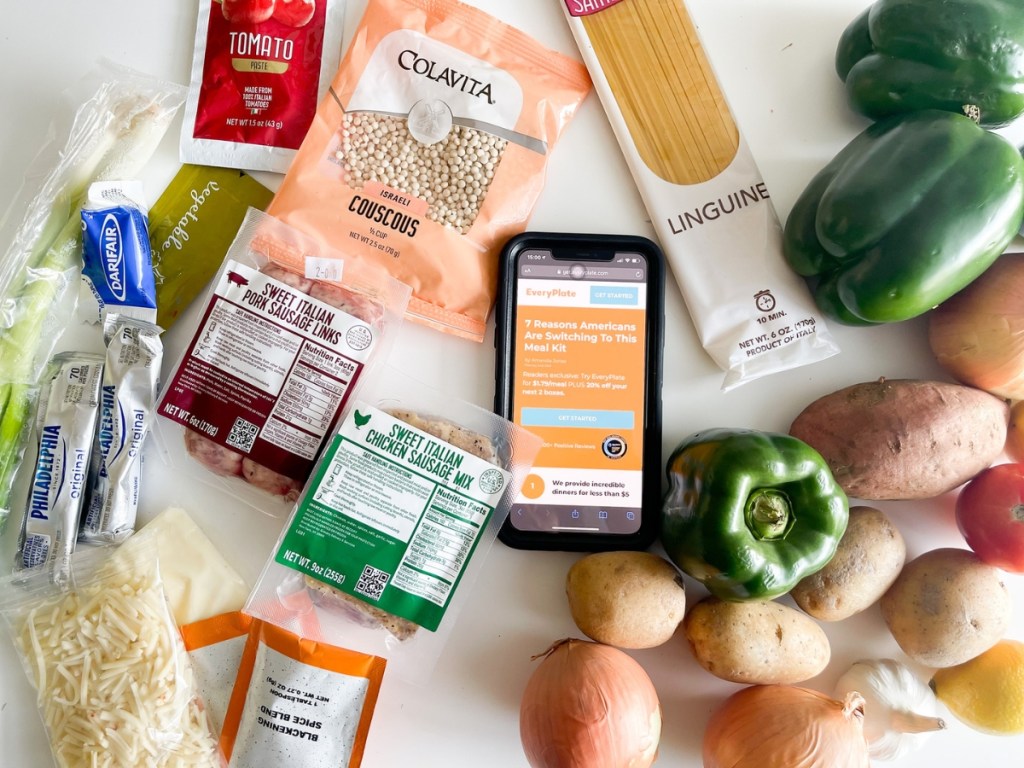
(191, 226)
(113, 681)
(288, 331)
(258, 69)
(398, 516)
(117, 271)
(66, 425)
(430, 151)
(298, 701)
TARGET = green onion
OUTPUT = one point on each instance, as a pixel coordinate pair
(114, 134)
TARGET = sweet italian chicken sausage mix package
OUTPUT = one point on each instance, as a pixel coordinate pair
(430, 150)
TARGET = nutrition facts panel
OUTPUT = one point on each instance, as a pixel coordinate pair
(314, 391)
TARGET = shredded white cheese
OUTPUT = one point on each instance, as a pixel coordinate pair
(113, 679)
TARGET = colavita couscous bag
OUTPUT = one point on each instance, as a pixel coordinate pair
(430, 150)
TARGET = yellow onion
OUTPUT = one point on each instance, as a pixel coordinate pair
(784, 726)
(589, 705)
(977, 336)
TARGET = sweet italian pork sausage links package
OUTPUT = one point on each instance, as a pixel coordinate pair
(430, 151)
(288, 329)
(396, 520)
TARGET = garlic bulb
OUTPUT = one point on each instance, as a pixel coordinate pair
(900, 711)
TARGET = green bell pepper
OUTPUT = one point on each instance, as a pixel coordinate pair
(750, 513)
(963, 56)
(908, 213)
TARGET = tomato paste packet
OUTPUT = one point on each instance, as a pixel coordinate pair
(258, 70)
(397, 517)
(430, 151)
(298, 701)
(274, 357)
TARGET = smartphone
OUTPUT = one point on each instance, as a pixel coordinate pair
(579, 324)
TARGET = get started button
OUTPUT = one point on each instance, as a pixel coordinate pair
(563, 417)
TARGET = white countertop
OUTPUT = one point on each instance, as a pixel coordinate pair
(775, 64)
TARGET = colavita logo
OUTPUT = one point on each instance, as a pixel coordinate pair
(587, 7)
(439, 73)
(113, 257)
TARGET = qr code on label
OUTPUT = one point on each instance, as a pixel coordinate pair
(242, 435)
(372, 582)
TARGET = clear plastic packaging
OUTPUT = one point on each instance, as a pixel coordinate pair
(113, 681)
(395, 522)
(287, 335)
(116, 127)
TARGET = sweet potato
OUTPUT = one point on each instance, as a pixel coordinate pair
(904, 438)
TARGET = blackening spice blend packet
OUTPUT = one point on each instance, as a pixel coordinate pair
(430, 151)
(258, 71)
(215, 647)
(299, 702)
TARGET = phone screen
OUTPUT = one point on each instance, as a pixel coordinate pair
(578, 381)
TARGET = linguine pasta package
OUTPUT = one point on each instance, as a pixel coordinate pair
(430, 149)
(701, 185)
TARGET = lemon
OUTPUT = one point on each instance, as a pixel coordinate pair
(987, 692)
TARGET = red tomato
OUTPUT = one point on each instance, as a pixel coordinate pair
(294, 13)
(990, 514)
(247, 11)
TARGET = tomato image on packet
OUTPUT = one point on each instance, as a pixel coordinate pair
(258, 71)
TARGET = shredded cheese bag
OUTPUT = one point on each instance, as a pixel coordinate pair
(430, 151)
(114, 683)
(299, 702)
